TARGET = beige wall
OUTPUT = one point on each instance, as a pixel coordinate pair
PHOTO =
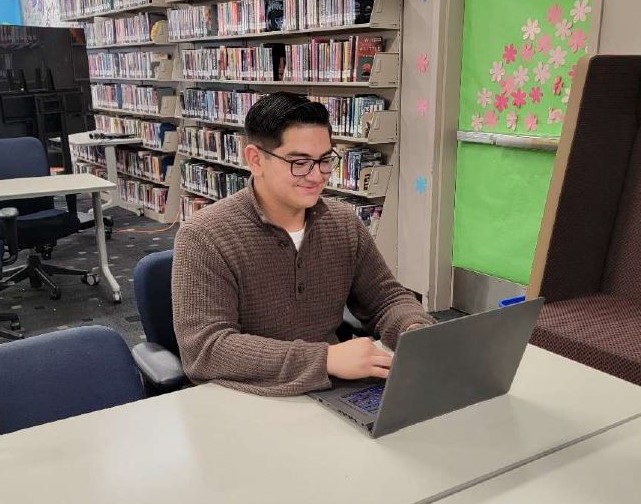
(620, 27)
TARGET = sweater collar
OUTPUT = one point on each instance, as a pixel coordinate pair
(251, 204)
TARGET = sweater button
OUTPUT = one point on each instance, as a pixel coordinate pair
(299, 263)
(301, 288)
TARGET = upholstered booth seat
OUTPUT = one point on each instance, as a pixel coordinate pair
(601, 331)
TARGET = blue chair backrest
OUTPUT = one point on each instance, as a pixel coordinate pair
(64, 373)
(24, 157)
(152, 286)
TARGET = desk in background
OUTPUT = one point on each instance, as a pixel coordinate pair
(61, 185)
(211, 444)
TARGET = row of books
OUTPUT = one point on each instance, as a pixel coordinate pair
(214, 183)
(143, 194)
(143, 163)
(212, 145)
(353, 160)
(241, 17)
(191, 204)
(346, 113)
(320, 60)
(90, 168)
(117, 125)
(91, 153)
(125, 30)
(369, 213)
(215, 105)
(126, 65)
(78, 8)
(264, 62)
(17, 36)
(129, 97)
(323, 60)
(153, 133)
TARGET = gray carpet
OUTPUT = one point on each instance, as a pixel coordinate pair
(133, 237)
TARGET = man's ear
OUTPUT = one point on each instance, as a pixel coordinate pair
(254, 160)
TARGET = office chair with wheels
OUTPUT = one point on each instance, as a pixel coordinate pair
(158, 358)
(63, 374)
(39, 223)
(8, 239)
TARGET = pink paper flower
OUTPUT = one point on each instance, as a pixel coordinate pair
(521, 76)
(421, 107)
(508, 85)
(531, 29)
(477, 122)
(544, 44)
(511, 120)
(580, 10)
(555, 13)
(484, 97)
(577, 40)
(541, 72)
(555, 116)
(490, 119)
(557, 57)
(563, 29)
(527, 51)
(536, 94)
(572, 72)
(557, 85)
(518, 98)
(422, 63)
(500, 102)
(566, 97)
(497, 72)
(509, 53)
(531, 122)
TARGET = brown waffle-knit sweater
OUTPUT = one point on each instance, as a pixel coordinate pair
(253, 314)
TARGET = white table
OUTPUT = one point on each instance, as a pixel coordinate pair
(110, 144)
(211, 444)
(604, 469)
(61, 185)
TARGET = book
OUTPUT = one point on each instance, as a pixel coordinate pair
(365, 48)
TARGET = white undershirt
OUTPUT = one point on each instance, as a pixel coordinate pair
(297, 237)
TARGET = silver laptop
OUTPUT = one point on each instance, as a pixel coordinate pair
(439, 369)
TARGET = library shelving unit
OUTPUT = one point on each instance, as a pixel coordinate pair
(179, 31)
(377, 186)
(128, 48)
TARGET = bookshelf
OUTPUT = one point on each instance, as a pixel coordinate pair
(175, 35)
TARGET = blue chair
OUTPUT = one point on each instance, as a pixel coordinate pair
(158, 358)
(39, 223)
(63, 374)
(8, 239)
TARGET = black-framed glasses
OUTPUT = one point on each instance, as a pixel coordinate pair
(302, 166)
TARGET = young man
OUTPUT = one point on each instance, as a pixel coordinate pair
(260, 278)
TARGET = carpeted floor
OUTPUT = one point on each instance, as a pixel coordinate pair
(133, 237)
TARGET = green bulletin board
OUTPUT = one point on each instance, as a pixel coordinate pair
(519, 59)
(517, 70)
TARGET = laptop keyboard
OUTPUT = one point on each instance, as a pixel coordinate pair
(368, 399)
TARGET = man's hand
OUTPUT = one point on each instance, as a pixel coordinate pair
(357, 358)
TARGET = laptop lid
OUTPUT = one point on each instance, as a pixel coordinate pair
(451, 365)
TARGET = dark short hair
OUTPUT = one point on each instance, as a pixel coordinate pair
(272, 114)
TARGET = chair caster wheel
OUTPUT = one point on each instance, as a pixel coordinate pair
(90, 279)
(55, 294)
(15, 326)
(117, 298)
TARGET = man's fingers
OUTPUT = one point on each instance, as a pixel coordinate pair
(379, 372)
(382, 360)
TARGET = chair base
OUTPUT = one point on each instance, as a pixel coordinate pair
(15, 324)
(39, 274)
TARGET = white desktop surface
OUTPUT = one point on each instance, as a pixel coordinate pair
(602, 470)
(211, 444)
(29, 187)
